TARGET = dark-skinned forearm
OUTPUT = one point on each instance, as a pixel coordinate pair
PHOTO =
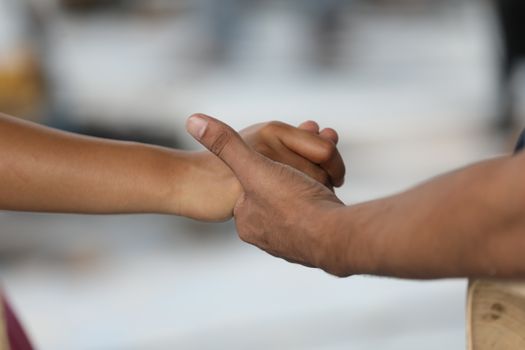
(469, 223)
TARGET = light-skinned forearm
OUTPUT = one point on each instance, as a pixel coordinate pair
(47, 170)
(53, 171)
(469, 223)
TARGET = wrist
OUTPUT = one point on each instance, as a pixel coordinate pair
(336, 240)
(204, 188)
(351, 250)
(169, 170)
(137, 178)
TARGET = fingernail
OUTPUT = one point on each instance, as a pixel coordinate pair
(197, 126)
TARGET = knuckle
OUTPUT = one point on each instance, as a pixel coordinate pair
(272, 128)
(220, 142)
(276, 124)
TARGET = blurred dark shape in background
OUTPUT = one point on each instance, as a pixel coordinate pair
(226, 20)
(90, 5)
(164, 7)
(511, 21)
(328, 19)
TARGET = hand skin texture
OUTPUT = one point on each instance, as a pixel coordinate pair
(47, 170)
(468, 223)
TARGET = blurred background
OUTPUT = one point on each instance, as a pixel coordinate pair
(415, 88)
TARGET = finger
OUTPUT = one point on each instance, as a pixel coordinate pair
(305, 166)
(335, 167)
(310, 125)
(322, 151)
(226, 144)
(305, 143)
(330, 134)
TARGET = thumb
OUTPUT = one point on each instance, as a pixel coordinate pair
(226, 144)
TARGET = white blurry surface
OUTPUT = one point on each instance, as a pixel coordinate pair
(224, 295)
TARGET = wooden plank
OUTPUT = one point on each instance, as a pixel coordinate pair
(496, 315)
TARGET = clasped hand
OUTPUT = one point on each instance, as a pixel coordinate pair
(286, 199)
